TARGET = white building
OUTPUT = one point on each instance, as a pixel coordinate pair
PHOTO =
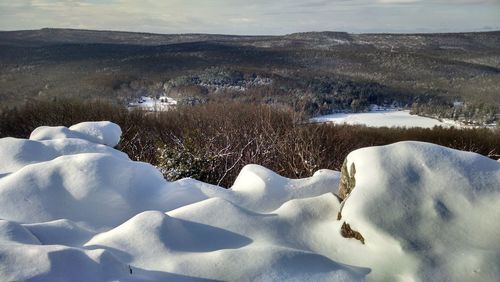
(163, 103)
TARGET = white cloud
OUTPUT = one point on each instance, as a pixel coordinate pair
(398, 1)
(253, 17)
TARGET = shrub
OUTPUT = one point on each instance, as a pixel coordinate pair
(212, 142)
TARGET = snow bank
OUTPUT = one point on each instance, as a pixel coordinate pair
(434, 210)
(102, 132)
(105, 132)
(72, 208)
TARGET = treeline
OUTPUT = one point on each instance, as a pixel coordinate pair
(212, 142)
(468, 113)
(306, 93)
(315, 95)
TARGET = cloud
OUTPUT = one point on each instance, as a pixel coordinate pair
(398, 1)
(253, 17)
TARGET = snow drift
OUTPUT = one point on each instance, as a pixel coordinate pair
(72, 208)
(437, 205)
(103, 132)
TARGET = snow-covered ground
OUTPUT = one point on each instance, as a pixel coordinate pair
(385, 119)
(73, 209)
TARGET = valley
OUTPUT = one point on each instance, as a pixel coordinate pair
(316, 73)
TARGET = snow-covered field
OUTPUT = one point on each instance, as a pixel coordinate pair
(384, 119)
(74, 209)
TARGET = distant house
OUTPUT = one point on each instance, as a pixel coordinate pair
(163, 103)
(168, 101)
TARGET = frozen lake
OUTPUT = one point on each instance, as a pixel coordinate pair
(384, 118)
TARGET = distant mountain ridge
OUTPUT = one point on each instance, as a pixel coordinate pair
(59, 35)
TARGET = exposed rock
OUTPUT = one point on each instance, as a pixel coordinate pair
(347, 180)
(347, 232)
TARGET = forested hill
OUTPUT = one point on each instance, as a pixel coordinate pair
(318, 72)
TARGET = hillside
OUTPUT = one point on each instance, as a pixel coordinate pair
(73, 208)
(316, 72)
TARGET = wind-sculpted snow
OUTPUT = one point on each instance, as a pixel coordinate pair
(72, 209)
(438, 206)
(102, 132)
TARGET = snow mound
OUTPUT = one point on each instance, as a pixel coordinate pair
(101, 132)
(107, 133)
(72, 209)
(222, 239)
(11, 233)
(18, 153)
(98, 190)
(260, 189)
(434, 208)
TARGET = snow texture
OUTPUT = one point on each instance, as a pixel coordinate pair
(103, 132)
(72, 209)
(434, 210)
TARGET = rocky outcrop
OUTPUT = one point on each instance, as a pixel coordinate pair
(347, 180)
(347, 232)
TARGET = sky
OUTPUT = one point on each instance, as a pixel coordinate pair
(255, 17)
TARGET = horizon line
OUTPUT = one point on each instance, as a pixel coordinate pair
(257, 35)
